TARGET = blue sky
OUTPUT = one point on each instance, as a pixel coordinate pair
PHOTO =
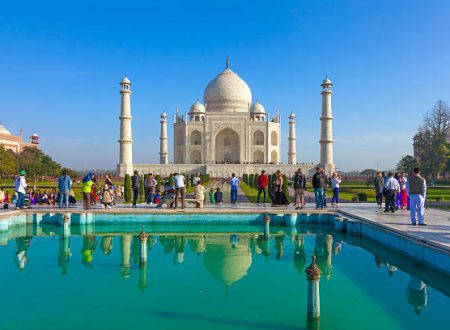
(61, 64)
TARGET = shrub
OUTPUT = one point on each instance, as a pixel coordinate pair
(362, 197)
(251, 177)
(145, 190)
(245, 178)
(158, 183)
(255, 181)
(171, 180)
(127, 188)
(142, 190)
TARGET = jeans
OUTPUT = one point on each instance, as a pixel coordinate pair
(64, 197)
(416, 202)
(135, 195)
(233, 194)
(264, 191)
(150, 195)
(318, 193)
(335, 198)
(20, 200)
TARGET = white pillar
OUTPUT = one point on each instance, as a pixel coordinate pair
(326, 132)
(292, 153)
(125, 140)
(126, 251)
(163, 146)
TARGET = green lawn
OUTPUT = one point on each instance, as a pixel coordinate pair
(252, 194)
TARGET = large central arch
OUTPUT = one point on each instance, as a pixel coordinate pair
(227, 147)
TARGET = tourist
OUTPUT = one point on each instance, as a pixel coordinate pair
(157, 198)
(263, 182)
(234, 185)
(94, 194)
(135, 185)
(108, 180)
(169, 193)
(211, 196)
(416, 188)
(7, 198)
(52, 197)
(86, 188)
(151, 184)
(199, 194)
(280, 198)
(2, 195)
(403, 196)
(196, 179)
(180, 189)
(299, 189)
(32, 196)
(319, 181)
(72, 199)
(45, 197)
(64, 186)
(335, 182)
(391, 187)
(397, 193)
(218, 196)
(107, 196)
(378, 185)
(20, 186)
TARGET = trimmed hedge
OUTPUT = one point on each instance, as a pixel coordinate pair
(142, 194)
(127, 188)
(245, 178)
(255, 181)
(286, 187)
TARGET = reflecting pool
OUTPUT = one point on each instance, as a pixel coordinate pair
(230, 277)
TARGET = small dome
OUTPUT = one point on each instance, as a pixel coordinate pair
(34, 135)
(292, 115)
(125, 80)
(228, 93)
(163, 115)
(257, 108)
(326, 81)
(197, 107)
(3, 130)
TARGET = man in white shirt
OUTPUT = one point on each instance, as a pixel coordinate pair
(180, 189)
(20, 185)
(391, 186)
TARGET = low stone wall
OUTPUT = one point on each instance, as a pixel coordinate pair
(221, 170)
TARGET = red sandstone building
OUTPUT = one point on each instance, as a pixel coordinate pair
(15, 142)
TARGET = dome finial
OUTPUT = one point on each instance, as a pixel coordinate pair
(227, 62)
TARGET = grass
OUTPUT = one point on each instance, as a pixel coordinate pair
(252, 193)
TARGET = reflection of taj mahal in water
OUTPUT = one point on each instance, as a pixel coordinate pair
(227, 133)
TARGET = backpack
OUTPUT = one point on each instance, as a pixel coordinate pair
(298, 181)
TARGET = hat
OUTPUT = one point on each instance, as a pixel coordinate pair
(22, 172)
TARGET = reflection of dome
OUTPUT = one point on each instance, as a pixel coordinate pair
(228, 92)
(197, 107)
(225, 263)
(257, 108)
(3, 130)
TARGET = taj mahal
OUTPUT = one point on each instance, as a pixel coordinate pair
(228, 133)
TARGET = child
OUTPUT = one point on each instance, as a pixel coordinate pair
(157, 198)
(107, 198)
(211, 196)
(218, 196)
(7, 198)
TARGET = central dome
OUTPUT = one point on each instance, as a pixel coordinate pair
(228, 93)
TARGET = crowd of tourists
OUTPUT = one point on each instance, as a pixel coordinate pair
(401, 191)
(397, 190)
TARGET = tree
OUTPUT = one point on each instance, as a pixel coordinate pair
(255, 181)
(245, 178)
(171, 180)
(369, 172)
(250, 179)
(431, 143)
(8, 162)
(407, 164)
(158, 183)
(127, 188)
(286, 187)
(142, 190)
(36, 164)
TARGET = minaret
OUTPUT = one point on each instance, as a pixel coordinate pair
(326, 131)
(163, 147)
(292, 153)
(126, 142)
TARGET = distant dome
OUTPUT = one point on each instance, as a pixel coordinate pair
(257, 108)
(34, 135)
(225, 263)
(228, 93)
(197, 107)
(125, 80)
(3, 130)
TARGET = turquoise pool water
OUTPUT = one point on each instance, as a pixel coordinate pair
(211, 277)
